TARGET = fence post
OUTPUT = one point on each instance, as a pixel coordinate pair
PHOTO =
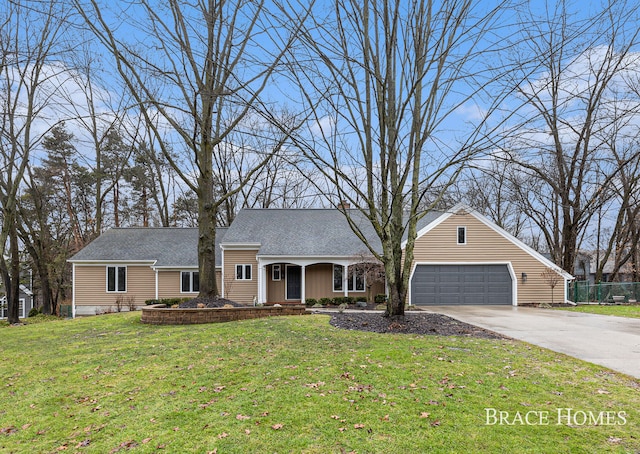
(599, 292)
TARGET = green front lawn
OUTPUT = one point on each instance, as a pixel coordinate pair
(295, 384)
(607, 309)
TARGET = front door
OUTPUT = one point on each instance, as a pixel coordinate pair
(294, 284)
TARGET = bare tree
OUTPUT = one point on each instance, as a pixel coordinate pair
(490, 187)
(623, 195)
(573, 94)
(552, 279)
(380, 80)
(29, 36)
(196, 72)
(98, 118)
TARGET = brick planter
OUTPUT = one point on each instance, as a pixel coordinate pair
(159, 314)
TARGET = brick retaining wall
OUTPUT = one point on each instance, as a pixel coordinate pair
(159, 314)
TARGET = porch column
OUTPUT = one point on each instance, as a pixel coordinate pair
(262, 283)
(345, 273)
(303, 273)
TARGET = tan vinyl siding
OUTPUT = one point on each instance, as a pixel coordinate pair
(169, 284)
(91, 285)
(319, 281)
(484, 245)
(240, 291)
(275, 289)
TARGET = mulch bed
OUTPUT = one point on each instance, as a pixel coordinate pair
(410, 323)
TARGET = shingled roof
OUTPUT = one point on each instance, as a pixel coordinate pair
(276, 232)
(165, 246)
(304, 232)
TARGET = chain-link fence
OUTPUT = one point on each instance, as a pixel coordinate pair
(604, 292)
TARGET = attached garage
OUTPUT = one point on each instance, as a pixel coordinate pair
(473, 284)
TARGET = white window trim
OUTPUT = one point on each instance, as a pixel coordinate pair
(126, 274)
(347, 280)
(4, 310)
(191, 290)
(333, 279)
(464, 228)
(352, 280)
(275, 267)
(244, 272)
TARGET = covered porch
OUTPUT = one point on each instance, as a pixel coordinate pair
(289, 280)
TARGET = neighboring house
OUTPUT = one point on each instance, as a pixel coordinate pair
(288, 256)
(127, 266)
(26, 302)
(587, 265)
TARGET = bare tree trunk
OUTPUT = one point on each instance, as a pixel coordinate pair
(385, 75)
(13, 290)
(203, 53)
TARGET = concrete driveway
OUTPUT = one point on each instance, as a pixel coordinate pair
(609, 341)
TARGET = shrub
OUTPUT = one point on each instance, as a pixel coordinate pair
(311, 302)
(349, 299)
(325, 301)
(34, 311)
(131, 303)
(338, 300)
(380, 298)
(167, 301)
(119, 302)
(361, 299)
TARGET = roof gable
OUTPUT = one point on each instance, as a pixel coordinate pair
(462, 208)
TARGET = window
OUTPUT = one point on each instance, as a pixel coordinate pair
(355, 282)
(243, 272)
(190, 282)
(275, 273)
(116, 279)
(355, 279)
(337, 278)
(462, 235)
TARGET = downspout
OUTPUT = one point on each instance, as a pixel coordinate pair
(73, 291)
(222, 272)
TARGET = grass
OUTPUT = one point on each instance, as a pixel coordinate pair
(295, 384)
(607, 309)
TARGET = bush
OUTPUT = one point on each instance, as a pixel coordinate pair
(311, 302)
(349, 299)
(361, 299)
(380, 298)
(34, 311)
(325, 301)
(338, 300)
(167, 301)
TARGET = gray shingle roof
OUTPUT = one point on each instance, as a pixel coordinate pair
(304, 232)
(280, 232)
(168, 247)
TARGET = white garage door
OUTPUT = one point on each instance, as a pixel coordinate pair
(461, 285)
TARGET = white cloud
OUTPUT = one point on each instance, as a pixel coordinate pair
(323, 127)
